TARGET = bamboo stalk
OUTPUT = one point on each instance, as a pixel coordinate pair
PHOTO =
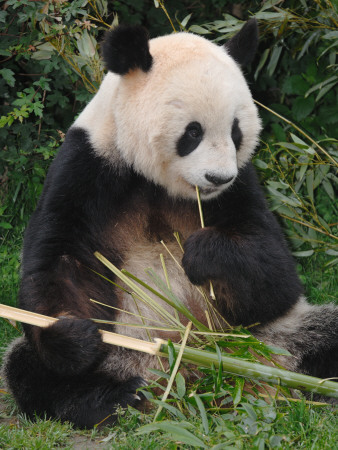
(20, 315)
(234, 366)
(256, 371)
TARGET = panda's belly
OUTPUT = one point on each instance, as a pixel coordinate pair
(145, 255)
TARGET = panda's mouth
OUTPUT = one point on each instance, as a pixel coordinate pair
(207, 190)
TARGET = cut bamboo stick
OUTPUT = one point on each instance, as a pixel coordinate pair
(20, 315)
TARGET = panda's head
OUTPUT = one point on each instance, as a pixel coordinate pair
(183, 112)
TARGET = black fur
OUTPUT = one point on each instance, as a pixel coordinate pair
(242, 47)
(190, 140)
(126, 48)
(236, 134)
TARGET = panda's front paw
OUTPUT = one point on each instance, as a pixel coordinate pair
(70, 346)
(200, 260)
(128, 392)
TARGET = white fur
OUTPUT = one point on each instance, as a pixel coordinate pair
(191, 80)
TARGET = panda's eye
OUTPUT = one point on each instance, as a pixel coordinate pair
(194, 130)
(190, 139)
(236, 134)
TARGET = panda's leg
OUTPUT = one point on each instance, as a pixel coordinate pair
(84, 400)
(310, 334)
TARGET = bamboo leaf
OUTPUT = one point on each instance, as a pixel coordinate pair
(203, 413)
(302, 171)
(303, 254)
(174, 301)
(260, 164)
(176, 430)
(320, 85)
(324, 224)
(275, 55)
(306, 45)
(282, 209)
(250, 411)
(171, 355)
(328, 188)
(292, 201)
(159, 373)
(185, 20)
(198, 29)
(143, 295)
(180, 385)
(238, 391)
(262, 62)
(310, 184)
(220, 368)
(331, 263)
(277, 350)
(325, 90)
(87, 45)
(172, 409)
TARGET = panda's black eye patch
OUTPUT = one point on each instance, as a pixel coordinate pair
(236, 134)
(190, 139)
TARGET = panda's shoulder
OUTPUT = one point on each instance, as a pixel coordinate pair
(81, 187)
(76, 157)
(80, 172)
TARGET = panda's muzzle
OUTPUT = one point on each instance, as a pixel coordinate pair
(217, 180)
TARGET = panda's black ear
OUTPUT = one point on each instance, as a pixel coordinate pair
(242, 47)
(126, 48)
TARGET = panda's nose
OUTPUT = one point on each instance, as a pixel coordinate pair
(218, 180)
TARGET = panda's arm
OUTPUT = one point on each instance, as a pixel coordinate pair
(80, 197)
(242, 249)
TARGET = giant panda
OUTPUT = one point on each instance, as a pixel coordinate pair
(171, 114)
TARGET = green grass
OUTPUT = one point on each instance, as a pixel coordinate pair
(257, 427)
(43, 434)
(320, 280)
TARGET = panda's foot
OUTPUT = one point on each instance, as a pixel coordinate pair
(98, 404)
(86, 400)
